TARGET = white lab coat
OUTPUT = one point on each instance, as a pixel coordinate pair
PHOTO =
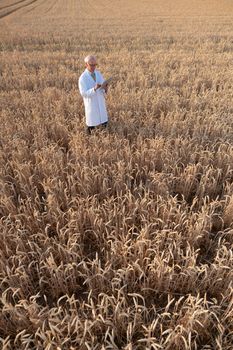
(94, 101)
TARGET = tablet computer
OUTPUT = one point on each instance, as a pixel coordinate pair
(105, 83)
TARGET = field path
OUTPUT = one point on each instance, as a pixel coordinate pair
(38, 6)
(51, 6)
(10, 5)
(11, 11)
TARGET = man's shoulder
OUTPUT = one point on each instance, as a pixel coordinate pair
(83, 75)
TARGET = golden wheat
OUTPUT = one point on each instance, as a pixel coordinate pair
(120, 240)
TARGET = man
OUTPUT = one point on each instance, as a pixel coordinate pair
(93, 96)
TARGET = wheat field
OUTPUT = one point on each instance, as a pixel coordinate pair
(121, 239)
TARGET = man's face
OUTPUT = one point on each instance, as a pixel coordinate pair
(91, 65)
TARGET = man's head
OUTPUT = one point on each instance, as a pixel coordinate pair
(91, 63)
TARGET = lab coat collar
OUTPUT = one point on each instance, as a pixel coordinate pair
(87, 71)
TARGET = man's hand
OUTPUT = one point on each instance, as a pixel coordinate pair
(97, 86)
(106, 88)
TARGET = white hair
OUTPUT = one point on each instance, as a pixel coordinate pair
(89, 58)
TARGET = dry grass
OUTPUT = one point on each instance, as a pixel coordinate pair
(121, 240)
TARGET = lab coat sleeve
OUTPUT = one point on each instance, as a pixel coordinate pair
(101, 78)
(101, 82)
(84, 91)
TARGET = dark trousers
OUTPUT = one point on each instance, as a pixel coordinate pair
(91, 128)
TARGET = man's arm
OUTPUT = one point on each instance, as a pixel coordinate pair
(87, 92)
(101, 79)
